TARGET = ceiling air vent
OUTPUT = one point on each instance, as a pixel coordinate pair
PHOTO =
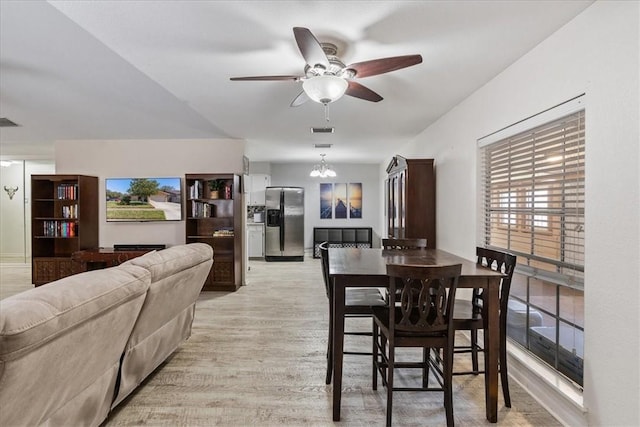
(322, 130)
(322, 145)
(5, 123)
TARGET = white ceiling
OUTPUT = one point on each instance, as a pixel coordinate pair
(160, 69)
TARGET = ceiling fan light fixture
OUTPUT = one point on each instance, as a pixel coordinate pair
(325, 89)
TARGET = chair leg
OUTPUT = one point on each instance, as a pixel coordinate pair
(504, 377)
(425, 367)
(390, 370)
(447, 372)
(374, 351)
(330, 350)
(474, 350)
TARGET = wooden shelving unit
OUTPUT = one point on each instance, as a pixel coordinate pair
(410, 193)
(217, 221)
(64, 219)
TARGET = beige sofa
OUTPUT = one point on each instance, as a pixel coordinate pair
(72, 349)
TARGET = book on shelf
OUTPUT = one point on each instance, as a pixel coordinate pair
(67, 191)
(70, 211)
(195, 190)
(223, 232)
(60, 229)
(201, 210)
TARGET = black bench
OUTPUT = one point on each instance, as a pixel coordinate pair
(341, 237)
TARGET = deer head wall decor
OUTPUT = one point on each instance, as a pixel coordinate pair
(10, 191)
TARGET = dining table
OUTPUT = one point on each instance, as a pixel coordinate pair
(365, 267)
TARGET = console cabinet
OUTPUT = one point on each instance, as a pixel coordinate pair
(64, 219)
(214, 217)
(410, 193)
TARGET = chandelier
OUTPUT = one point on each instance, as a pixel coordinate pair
(322, 170)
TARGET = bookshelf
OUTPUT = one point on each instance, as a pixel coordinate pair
(214, 217)
(64, 219)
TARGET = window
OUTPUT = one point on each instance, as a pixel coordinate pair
(538, 201)
(532, 175)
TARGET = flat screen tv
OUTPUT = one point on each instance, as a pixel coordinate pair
(143, 199)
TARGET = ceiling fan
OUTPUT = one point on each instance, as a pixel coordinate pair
(326, 78)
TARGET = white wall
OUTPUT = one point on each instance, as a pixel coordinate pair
(298, 175)
(146, 158)
(597, 54)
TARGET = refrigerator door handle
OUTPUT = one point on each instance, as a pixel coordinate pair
(282, 220)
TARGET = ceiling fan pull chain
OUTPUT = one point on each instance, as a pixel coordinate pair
(326, 111)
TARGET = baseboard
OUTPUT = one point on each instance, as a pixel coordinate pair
(549, 388)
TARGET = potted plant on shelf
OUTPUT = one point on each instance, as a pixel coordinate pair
(214, 187)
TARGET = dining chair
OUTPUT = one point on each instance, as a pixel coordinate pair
(358, 303)
(410, 243)
(423, 319)
(468, 316)
(400, 245)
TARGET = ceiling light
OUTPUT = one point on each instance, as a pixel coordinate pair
(322, 170)
(325, 88)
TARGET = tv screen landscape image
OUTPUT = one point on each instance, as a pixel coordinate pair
(143, 199)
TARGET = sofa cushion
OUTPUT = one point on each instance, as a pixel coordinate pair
(32, 318)
(61, 344)
(170, 261)
(177, 276)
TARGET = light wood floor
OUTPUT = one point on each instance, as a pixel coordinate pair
(257, 357)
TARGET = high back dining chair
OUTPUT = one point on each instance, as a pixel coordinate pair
(468, 315)
(424, 318)
(413, 243)
(400, 245)
(358, 303)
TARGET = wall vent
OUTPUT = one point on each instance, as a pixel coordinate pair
(322, 130)
(322, 145)
(5, 123)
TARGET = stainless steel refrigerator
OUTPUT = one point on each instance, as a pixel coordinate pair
(284, 224)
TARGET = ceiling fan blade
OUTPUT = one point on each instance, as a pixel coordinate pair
(310, 48)
(266, 78)
(359, 91)
(384, 65)
(300, 99)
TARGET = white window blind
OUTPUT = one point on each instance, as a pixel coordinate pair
(533, 201)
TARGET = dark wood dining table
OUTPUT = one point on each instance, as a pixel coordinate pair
(359, 267)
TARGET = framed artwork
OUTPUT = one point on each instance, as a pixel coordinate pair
(355, 200)
(326, 201)
(341, 200)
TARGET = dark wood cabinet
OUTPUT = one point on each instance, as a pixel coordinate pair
(410, 193)
(64, 219)
(214, 217)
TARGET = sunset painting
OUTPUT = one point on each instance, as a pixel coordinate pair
(340, 200)
(355, 200)
(326, 201)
